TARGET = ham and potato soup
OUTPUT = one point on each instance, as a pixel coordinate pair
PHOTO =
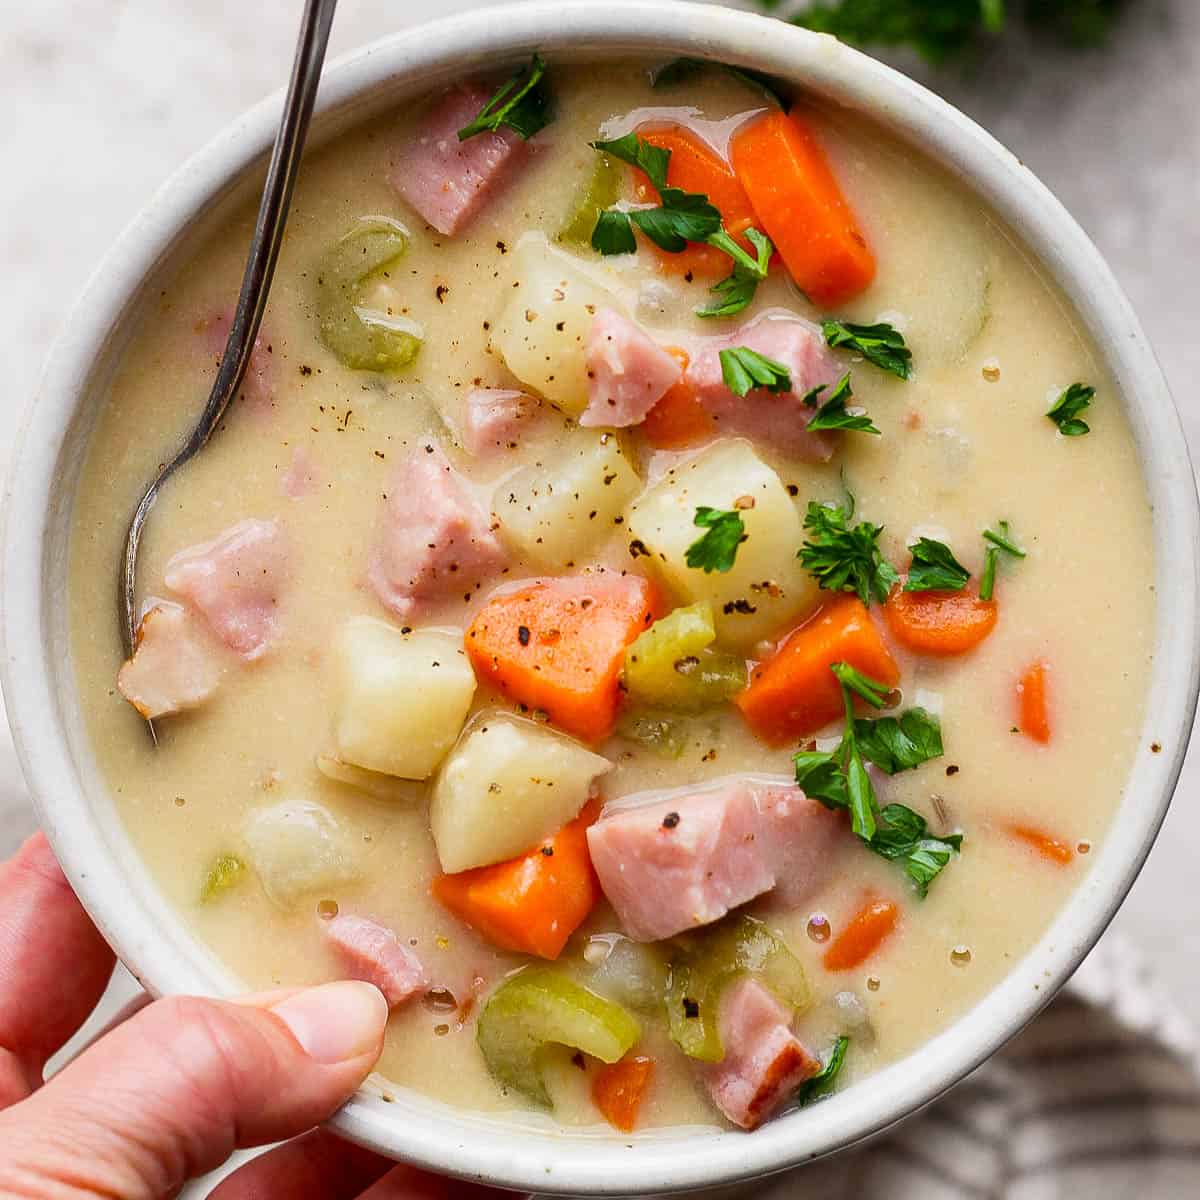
(671, 603)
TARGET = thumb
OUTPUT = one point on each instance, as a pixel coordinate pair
(172, 1092)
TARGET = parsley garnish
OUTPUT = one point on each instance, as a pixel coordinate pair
(1066, 410)
(844, 557)
(716, 550)
(1000, 540)
(879, 344)
(822, 1082)
(613, 234)
(524, 104)
(840, 780)
(744, 369)
(935, 569)
(738, 288)
(832, 414)
(681, 70)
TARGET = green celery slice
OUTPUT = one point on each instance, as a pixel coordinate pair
(601, 191)
(538, 1007)
(362, 337)
(226, 870)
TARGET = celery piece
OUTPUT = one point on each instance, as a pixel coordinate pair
(225, 871)
(706, 964)
(354, 325)
(662, 733)
(673, 666)
(600, 192)
(537, 1007)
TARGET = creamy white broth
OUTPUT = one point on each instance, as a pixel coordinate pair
(960, 450)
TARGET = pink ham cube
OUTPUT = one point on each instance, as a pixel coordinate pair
(496, 419)
(373, 953)
(175, 666)
(764, 1061)
(448, 181)
(435, 541)
(779, 420)
(628, 372)
(235, 581)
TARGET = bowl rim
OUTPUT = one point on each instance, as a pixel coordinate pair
(559, 1162)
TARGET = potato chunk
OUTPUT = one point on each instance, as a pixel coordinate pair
(296, 847)
(507, 785)
(402, 697)
(542, 331)
(555, 512)
(767, 589)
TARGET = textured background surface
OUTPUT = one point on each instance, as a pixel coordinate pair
(102, 99)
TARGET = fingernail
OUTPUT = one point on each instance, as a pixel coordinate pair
(336, 1021)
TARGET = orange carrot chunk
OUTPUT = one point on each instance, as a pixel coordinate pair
(678, 420)
(939, 622)
(558, 647)
(1049, 847)
(868, 929)
(695, 167)
(530, 904)
(618, 1090)
(794, 693)
(1033, 716)
(800, 206)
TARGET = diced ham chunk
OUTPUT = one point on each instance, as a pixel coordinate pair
(435, 541)
(684, 860)
(495, 419)
(777, 419)
(235, 581)
(628, 372)
(448, 181)
(173, 667)
(258, 385)
(373, 953)
(302, 476)
(764, 1061)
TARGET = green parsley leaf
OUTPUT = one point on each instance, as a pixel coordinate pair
(683, 70)
(653, 160)
(879, 344)
(681, 218)
(524, 104)
(873, 692)
(716, 550)
(903, 837)
(1066, 410)
(901, 743)
(738, 288)
(821, 1084)
(744, 369)
(833, 415)
(820, 776)
(613, 233)
(846, 558)
(1001, 540)
(935, 569)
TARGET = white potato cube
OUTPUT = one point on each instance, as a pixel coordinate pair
(543, 328)
(508, 784)
(402, 698)
(296, 848)
(767, 588)
(555, 511)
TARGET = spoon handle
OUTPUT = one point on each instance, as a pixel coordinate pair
(256, 282)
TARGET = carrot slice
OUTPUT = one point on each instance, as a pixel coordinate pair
(678, 420)
(1048, 846)
(695, 167)
(558, 647)
(799, 204)
(533, 903)
(939, 622)
(618, 1090)
(868, 929)
(1033, 714)
(794, 693)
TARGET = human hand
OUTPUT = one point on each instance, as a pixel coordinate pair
(173, 1091)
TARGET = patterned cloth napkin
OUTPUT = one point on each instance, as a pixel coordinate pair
(1098, 1099)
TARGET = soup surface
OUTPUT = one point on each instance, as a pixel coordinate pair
(500, 531)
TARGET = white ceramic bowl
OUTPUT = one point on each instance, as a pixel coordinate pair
(44, 709)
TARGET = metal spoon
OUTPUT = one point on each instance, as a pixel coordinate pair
(256, 283)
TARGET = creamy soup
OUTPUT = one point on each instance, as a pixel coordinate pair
(500, 645)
